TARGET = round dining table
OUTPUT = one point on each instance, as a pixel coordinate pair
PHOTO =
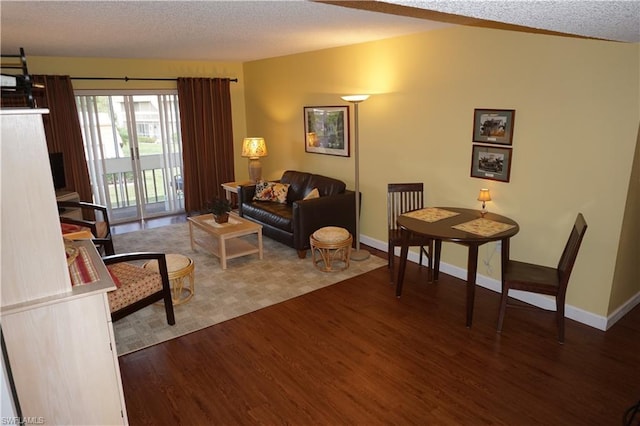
(468, 227)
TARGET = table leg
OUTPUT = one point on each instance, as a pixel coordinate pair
(472, 268)
(436, 260)
(191, 236)
(404, 250)
(504, 259)
(260, 242)
(222, 247)
(505, 252)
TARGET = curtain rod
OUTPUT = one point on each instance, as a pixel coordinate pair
(125, 78)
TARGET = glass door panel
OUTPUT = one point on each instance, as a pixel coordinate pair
(134, 153)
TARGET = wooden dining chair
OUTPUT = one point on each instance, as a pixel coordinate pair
(401, 198)
(543, 279)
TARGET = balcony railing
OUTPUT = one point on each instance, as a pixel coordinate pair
(122, 193)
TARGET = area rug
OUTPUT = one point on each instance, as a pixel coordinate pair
(248, 284)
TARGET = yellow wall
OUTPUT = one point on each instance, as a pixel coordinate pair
(101, 67)
(576, 124)
(626, 279)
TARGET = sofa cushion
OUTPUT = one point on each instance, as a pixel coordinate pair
(275, 214)
(271, 191)
(297, 184)
(326, 185)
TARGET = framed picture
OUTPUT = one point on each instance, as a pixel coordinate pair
(493, 126)
(326, 130)
(489, 162)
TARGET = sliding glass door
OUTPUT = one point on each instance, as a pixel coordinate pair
(134, 152)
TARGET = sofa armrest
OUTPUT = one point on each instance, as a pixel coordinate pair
(245, 195)
(311, 215)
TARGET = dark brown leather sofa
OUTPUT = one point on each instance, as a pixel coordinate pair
(292, 223)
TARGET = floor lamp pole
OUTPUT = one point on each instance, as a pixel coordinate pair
(358, 254)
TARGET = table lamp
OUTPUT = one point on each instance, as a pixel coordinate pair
(254, 148)
(484, 196)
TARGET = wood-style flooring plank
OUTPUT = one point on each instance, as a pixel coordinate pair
(352, 353)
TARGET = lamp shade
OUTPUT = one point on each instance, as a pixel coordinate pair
(484, 195)
(254, 148)
(355, 98)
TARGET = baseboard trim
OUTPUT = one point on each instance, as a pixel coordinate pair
(585, 317)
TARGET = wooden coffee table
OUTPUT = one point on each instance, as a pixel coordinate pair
(223, 239)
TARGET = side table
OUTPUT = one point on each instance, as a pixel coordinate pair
(232, 188)
(179, 267)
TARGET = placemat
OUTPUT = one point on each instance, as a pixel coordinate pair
(82, 270)
(483, 227)
(431, 214)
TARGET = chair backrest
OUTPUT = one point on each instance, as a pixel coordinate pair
(570, 253)
(401, 198)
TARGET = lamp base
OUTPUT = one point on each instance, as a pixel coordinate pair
(359, 255)
(255, 170)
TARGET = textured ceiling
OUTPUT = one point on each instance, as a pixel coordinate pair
(249, 30)
(608, 20)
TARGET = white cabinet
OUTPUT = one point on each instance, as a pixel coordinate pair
(59, 339)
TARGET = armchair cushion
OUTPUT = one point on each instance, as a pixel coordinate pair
(135, 283)
(102, 229)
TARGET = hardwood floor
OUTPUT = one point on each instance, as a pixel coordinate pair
(352, 353)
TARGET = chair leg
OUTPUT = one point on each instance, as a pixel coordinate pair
(391, 263)
(503, 306)
(429, 254)
(168, 308)
(560, 318)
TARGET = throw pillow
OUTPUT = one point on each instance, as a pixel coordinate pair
(272, 191)
(263, 191)
(312, 194)
(280, 191)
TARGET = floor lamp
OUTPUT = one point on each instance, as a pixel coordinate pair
(358, 254)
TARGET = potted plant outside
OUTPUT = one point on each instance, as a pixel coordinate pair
(220, 208)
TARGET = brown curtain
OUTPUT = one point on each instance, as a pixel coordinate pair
(62, 129)
(207, 139)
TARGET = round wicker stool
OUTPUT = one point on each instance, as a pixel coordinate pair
(179, 267)
(331, 248)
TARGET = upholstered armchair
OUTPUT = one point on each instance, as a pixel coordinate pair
(138, 287)
(95, 218)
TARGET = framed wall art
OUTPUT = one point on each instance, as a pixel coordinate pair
(489, 162)
(493, 126)
(326, 130)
